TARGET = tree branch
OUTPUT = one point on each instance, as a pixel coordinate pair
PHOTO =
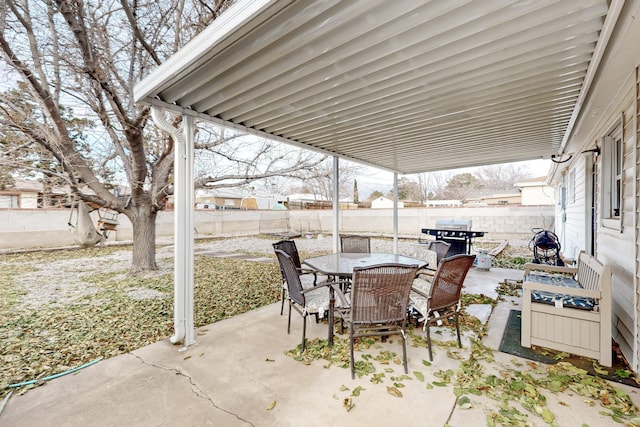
(137, 33)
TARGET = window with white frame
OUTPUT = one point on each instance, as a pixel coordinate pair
(612, 164)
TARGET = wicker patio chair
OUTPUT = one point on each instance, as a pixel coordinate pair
(355, 244)
(441, 248)
(308, 277)
(313, 300)
(379, 300)
(442, 299)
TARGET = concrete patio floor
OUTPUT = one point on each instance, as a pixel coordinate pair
(238, 375)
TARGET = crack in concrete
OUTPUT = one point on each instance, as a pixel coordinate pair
(194, 388)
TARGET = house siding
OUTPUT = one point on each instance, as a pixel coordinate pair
(615, 243)
(617, 247)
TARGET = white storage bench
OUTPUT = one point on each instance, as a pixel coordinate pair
(568, 308)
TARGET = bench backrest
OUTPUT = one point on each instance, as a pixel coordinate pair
(591, 272)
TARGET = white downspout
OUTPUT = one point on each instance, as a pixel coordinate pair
(336, 206)
(395, 212)
(183, 226)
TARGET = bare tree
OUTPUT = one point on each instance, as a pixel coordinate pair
(227, 158)
(20, 156)
(319, 179)
(82, 59)
(501, 177)
(433, 184)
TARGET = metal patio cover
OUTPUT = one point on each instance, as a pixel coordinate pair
(403, 85)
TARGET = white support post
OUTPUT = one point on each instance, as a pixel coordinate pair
(395, 213)
(188, 227)
(183, 226)
(336, 206)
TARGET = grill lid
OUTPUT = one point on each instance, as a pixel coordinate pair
(454, 224)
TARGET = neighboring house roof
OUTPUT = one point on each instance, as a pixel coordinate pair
(25, 186)
(498, 194)
(443, 202)
(31, 186)
(495, 196)
(532, 182)
(307, 197)
(226, 193)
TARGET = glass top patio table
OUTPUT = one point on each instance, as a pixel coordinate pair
(342, 264)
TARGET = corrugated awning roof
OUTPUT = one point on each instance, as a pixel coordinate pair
(404, 85)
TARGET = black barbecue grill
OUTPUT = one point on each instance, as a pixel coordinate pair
(457, 232)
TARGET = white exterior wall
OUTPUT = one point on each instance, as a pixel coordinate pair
(613, 98)
(613, 246)
(616, 247)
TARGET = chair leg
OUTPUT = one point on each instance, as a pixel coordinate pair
(289, 320)
(304, 331)
(353, 372)
(428, 339)
(282, 303)
(404, 351)
(458, 331)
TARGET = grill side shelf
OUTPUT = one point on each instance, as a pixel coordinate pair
(452, 233)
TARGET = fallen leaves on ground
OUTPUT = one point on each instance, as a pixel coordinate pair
(58, 337)
(519, 393)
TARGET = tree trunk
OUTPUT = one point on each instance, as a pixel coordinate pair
(143, 221)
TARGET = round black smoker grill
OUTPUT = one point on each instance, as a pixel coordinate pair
(457, 232)
(546, 247)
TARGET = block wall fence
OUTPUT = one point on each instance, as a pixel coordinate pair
(48, 228)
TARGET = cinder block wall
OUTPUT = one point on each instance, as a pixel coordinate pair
(499, 223)
(47, 228)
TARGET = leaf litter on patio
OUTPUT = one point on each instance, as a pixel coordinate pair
(519, 393)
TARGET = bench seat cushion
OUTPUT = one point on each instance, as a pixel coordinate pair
(570, 301)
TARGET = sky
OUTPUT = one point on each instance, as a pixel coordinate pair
(371, 179)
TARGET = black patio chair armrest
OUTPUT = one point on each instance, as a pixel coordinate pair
(310, 271)
(327, 283)
(337, 288)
